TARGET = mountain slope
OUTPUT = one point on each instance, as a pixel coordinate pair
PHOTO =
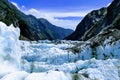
(58, 32)
(31, 27)
(109, 18)
(90, 19)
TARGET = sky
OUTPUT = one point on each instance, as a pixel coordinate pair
(63, 13)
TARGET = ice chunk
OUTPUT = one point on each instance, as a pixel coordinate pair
(9, 48)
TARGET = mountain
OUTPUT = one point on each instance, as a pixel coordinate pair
(88, 21)
(31, 27)
(97, 20)
(57, 32)
(46, 30)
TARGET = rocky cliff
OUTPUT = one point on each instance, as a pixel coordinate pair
(104, 18)
(88, 21)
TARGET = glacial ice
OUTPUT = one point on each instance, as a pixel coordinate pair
(9, 50)
(49, 60)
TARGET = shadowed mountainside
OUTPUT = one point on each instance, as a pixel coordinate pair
(31, 27)
(97, 20)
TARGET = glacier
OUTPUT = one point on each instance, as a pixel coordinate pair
(9, 49)
(52, 60)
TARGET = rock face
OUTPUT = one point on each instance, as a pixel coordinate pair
(90, 20)
(108, 18)
(31, 27)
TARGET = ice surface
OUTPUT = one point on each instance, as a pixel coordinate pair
(50, 60)
(86, 70)
(9, 49)
(20, 75)
(51, 75)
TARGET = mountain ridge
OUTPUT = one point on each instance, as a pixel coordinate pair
(88, 21)
(29, 31)
(110, 20)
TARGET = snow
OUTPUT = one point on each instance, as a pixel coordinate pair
(50, 60)
(20, 75)
(53, 75)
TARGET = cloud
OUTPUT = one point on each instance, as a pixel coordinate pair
(23, 7)
(51, 17)
(19, 7)
(15, 4)
(38, 13)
